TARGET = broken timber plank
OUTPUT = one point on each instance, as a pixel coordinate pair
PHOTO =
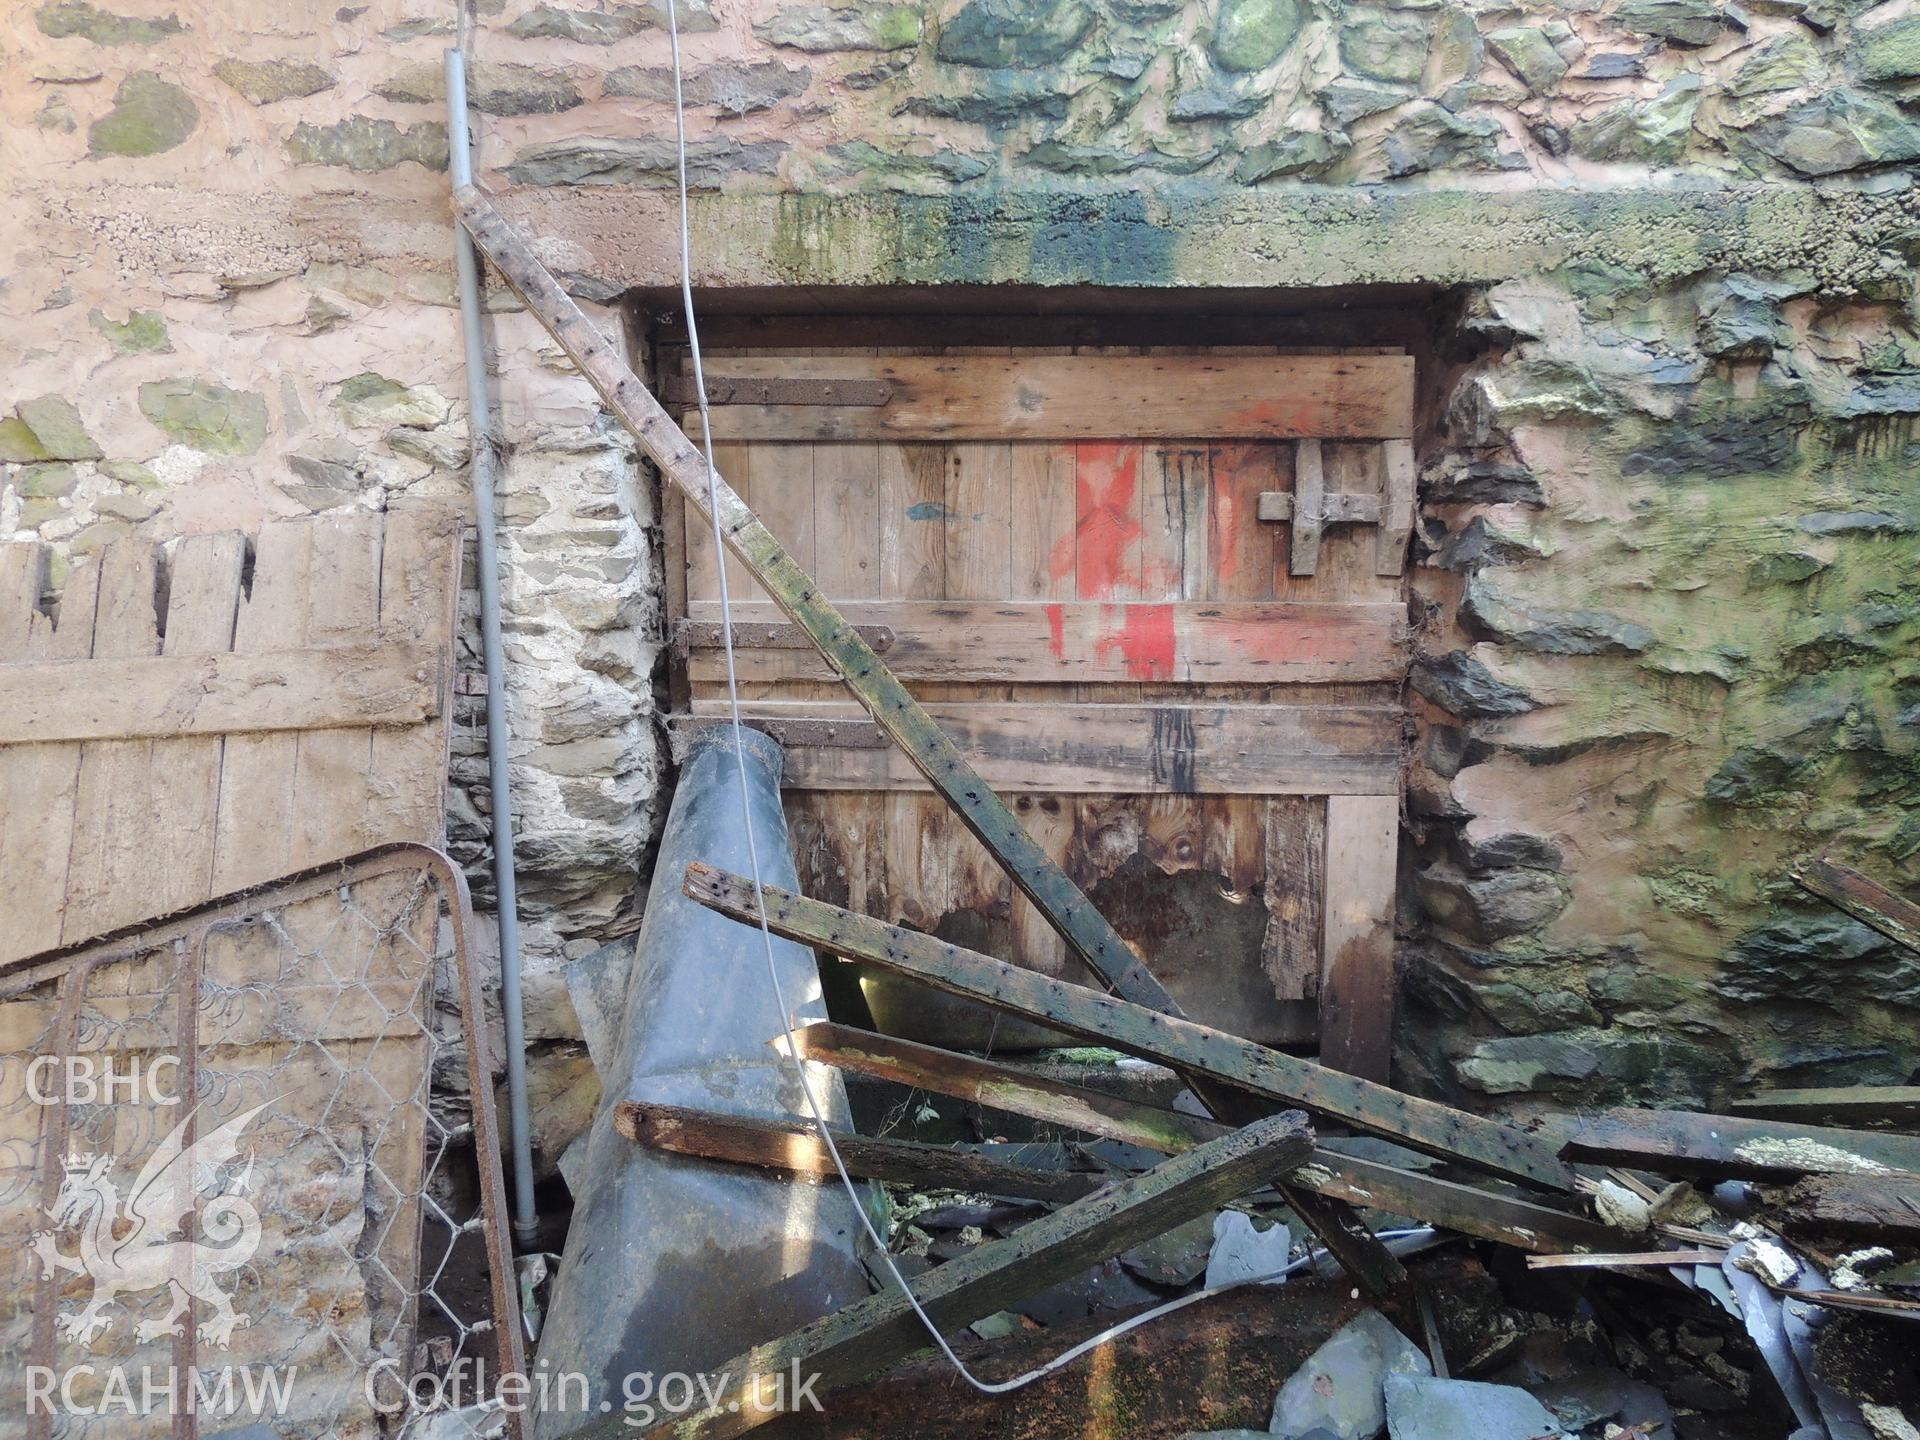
(129, 697)
(1626, 1261)
(1881, 1208)
(1488, 1215)
(1033, 871)
(796, 1146)
(1844, 1105)
(872, 1334)
(1892, 915)
(1422, 1124)
(1679, 1142)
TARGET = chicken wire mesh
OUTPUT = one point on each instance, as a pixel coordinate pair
(231, 1198)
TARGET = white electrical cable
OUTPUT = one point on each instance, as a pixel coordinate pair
(988, 1387)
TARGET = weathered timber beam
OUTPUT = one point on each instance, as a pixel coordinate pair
(1895, 1105)
(795, 1146)
(1680, 1142)
(1183, 1044)
(1873, 904)
(322, 688)
(1881, 1208)
(1484, 1214)
(874, 1333)
(1059, 901)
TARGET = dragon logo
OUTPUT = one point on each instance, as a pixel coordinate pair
(135, 1247)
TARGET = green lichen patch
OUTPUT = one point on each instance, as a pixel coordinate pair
(365, 145)
(1021, 34)
(1890, 51)
(143, 332)
(46, 481)
(265, 81)
(371, 399)
(1250, 35)
(149, 116)
(77, 19)
(206, 416)
(55, 428)
(818, 29)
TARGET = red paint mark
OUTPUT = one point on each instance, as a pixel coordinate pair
(1057, 631)
(1144, 639)
(1106, 551)
(1295, 415)
(1226, 557)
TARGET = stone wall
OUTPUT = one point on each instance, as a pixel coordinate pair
(1667, 607)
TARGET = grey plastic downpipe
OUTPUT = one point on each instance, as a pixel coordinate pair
(673, 1263)
(485, 458)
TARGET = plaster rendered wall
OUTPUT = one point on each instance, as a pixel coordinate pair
(1667, 606)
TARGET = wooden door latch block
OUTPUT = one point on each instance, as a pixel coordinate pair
(1310, 509)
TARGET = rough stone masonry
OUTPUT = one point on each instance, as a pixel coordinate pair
(1667, 602)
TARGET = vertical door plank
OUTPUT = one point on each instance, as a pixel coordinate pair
(1036, 944)
(1240, 545)
(419, 601)
(202, 601)
(979, 516)
(1043, 506)
(332, 797)
(36, 781)
(1309, 498)
(118, 827)
(1296, 837)
(1173, 522)
(1107, 520)
(846, 519)
(913, 527)
(253, 835)
(783, 490)
(1356, 977)
(1349, 554)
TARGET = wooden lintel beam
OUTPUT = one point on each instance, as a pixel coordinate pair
(224, 693)
(795, 1146)
(872, 1334)
(1272, 1074)
(1484, 1214)
(1894, 916)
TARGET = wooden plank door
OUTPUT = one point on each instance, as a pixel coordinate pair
(1156, 597)
(173, 732)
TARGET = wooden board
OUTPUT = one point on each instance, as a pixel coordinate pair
(253, 727)
(1082, 642)
(1103, 749)
(1040, 397)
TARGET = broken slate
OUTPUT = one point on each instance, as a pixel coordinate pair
(1422, 1408)
(1339, 1392)
(1242, 1253)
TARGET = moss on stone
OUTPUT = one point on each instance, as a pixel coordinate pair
(143, 332)
(57, 428)
(206, 416)
(75, 18)
(149, 116)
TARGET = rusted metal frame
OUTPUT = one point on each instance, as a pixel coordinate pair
(1272, 1074)
(795, 1146)
(187, 932)
(1485, 1214)
(1873, 904)
(872, 1334)
(1059, 901)
(789, 390)
(56, 1129)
